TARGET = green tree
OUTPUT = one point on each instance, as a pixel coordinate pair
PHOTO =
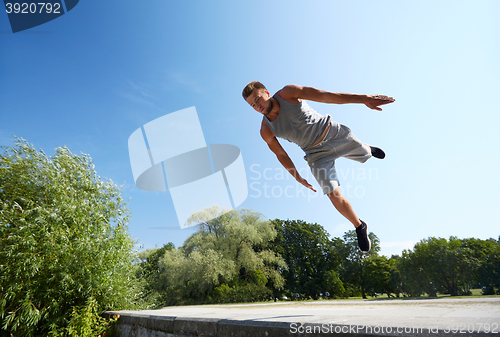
(149, 272)
(415, 281)
(489, 270)
(380, 276)
(396, 283)
(231, 249)
(351, 260)
(311, 258)
(64, 240)
(448, 266)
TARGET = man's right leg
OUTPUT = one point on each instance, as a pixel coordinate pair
(326, 175)
(344, 207)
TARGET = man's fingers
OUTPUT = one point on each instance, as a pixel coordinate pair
(381, 100)
(310, 186)
(385, 98)
(306, 184)
(373, 107)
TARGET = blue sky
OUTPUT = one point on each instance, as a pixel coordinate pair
(90, 78)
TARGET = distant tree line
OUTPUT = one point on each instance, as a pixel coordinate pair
(239, 257)
(318, 265)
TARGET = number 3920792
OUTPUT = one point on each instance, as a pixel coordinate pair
(27, 8)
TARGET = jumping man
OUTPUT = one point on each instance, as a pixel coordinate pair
(288, 116)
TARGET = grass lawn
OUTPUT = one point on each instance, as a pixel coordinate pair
(475, 293)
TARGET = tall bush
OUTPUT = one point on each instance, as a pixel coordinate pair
(64, 240)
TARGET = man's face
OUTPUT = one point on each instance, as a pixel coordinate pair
(260, 100)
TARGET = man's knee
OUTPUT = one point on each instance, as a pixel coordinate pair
(335, 196)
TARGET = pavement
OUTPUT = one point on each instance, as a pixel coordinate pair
(426, 317)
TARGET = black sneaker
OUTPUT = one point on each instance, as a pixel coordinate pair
(363, 240)
(377, 152)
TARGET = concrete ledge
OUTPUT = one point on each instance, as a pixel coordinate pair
(428, 318)
(133, 325)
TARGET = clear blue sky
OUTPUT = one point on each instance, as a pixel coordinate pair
(88, 79)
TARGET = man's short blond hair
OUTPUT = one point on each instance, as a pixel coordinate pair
(250, 87)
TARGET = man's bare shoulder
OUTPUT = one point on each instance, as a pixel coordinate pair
(290, 93)
(265, 132)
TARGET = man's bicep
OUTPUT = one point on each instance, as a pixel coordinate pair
(295, 93)
(265, 132)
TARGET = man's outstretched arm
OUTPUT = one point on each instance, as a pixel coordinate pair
(281, 154)
(296, 92)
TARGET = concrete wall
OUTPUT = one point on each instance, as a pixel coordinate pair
(401, 318)
(144, 325)
(136, 325)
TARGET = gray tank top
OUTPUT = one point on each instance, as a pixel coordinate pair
(298, 123)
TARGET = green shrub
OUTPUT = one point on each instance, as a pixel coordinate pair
(241, 292)
(85, 322)
(64, 240)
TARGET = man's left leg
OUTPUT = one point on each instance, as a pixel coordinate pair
(344, 207)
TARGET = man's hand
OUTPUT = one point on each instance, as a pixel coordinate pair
(305, 183)
(374, 101)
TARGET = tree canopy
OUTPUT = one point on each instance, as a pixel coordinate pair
(450, 266)
(230, 251)
(312, 260)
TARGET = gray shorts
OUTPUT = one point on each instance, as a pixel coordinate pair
(338, 142)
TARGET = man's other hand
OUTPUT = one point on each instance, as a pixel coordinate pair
(374, 101)
(305, 183)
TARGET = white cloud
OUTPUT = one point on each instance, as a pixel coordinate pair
(180, 78)
(141, 88)
(138, 93)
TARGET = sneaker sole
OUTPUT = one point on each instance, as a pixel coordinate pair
(369, 241)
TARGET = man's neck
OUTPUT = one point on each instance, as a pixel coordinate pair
(275, 110)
